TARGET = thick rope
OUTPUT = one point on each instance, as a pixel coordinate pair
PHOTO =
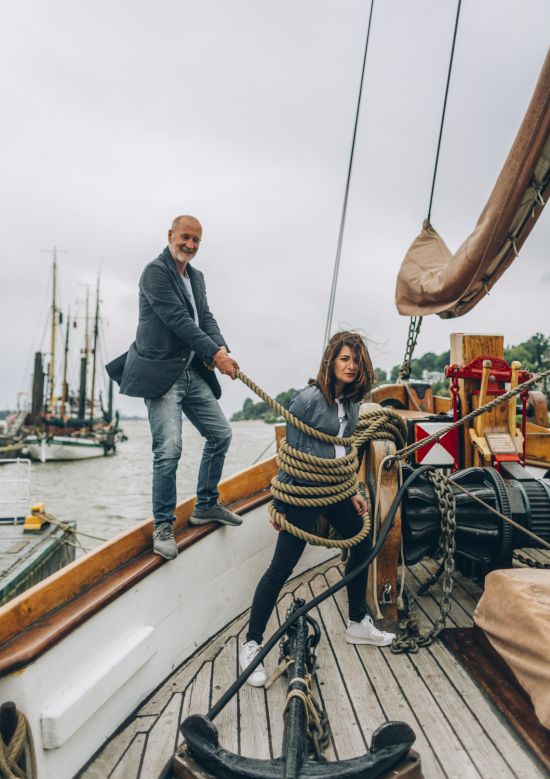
(330, 480)
(10, 753)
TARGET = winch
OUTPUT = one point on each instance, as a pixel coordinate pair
(481, 536)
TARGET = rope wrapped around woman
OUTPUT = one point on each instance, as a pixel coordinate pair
(334, 479)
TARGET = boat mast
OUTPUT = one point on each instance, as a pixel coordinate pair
(51, 369)
(94, 350)
(84, 360)
(64, 390)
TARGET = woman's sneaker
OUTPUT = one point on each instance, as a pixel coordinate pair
(365, 632)
(247, 653)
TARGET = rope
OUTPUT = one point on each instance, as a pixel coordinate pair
(334, 479)
(306, 698)
(346, 194)
(10, 753)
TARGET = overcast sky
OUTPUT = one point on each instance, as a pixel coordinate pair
(119, 114)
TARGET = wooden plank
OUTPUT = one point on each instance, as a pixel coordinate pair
(461, 597)
(224, 674)
(276, 695)
(161, 743)
(474, 740)
(199, 693)
(254, 737)
(391, 699)
(450, 751)
(108, 758)
(182, 676)
(128, 767)
(471, 586)
(510, 747)
(365, 704)
(429, 602)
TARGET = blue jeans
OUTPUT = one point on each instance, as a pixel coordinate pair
(192, 396)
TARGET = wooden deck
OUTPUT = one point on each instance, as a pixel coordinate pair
(459, 733)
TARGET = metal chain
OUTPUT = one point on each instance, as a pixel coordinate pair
(412, 337)
(531, 563)
(409, 638)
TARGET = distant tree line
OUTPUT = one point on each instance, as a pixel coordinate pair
(261, 410)
(533, 354)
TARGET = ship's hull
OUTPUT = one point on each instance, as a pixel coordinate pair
(63, 448)
(127, 619)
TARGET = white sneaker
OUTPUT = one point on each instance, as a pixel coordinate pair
(365, 632)
(247, 653)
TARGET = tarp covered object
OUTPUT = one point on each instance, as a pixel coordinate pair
(514, 614)
(434, 281)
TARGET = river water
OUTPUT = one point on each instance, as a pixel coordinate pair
(106, 495)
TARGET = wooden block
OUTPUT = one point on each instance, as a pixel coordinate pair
(463, 349)
(388, 559)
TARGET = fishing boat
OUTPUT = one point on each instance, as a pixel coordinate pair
(70, 426)
(125, 665)
(33, 544)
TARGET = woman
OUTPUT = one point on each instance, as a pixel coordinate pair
(330, 403)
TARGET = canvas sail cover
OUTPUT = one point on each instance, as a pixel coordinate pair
(514, 614)
(431, 279)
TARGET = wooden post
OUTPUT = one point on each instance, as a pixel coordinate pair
(512, 402)
(463, 349)
(387, 562)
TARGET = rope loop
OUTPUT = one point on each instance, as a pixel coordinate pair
(325, 481)
(19, 750)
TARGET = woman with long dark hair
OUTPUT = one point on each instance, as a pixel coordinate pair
(330, 403)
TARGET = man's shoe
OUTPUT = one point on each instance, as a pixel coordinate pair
(218, 513)
(247, 653)
(365, 632)
(164, 543)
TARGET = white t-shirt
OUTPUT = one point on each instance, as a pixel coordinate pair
(340, 451)
(189, 289)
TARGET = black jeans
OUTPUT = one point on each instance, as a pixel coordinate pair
(347, 522)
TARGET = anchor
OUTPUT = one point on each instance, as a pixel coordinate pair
(304, 732)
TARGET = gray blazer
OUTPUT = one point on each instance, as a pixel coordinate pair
(311, 406)
(167, 333)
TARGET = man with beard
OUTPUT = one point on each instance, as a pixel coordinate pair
(170, 365)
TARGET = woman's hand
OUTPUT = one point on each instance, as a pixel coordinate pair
(274, 525)
(359, 504)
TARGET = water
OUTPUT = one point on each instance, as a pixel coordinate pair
(106, 495)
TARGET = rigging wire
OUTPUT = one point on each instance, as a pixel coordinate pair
(444, 109)
(346, 194)
(416, 321)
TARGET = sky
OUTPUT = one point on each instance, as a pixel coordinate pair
(118, 115)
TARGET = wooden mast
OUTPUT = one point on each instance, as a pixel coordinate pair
(51, 368)
(94, 350)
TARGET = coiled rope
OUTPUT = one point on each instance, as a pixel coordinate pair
(331, 480)
(18, 751)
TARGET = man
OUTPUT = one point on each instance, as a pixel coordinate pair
(170, 365)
